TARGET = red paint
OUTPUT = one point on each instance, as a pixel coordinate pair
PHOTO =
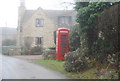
(62, 43)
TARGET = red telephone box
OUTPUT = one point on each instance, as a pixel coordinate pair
(62, 43)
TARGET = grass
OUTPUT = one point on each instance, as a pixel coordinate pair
(87, 74)
(58, 66)
(52, 64)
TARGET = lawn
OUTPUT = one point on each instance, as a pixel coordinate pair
(58, 66)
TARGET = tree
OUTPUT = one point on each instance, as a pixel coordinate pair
(80, 5)
(97, 39)
(89, 32)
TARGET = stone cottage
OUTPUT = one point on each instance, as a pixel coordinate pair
(36, 27)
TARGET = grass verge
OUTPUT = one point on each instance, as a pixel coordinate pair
(58, 66)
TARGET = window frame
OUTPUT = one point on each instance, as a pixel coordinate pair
(38, 40)
(39, 22)
(64, 19)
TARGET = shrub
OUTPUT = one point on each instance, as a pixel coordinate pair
(75, 61)
(109, 75)
(5, 50)
(113, 60)
(33, 51)
(36, 50)
(101, 38)
(74, 38)
(49, 54)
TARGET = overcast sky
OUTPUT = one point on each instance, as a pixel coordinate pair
(9, 9)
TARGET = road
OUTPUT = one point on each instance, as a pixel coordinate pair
(13, 68)
(0, 67)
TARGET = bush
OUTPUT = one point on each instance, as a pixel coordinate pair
(36, 50)
(49, 54)
(109, 75)
(75, 62)
(33, 51)
(74, 38)
(113, 60)
(5, 50)
(101, 38)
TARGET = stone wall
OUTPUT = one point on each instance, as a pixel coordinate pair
(47, 32)
(9, 50)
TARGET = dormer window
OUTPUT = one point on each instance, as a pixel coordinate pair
(39, 22)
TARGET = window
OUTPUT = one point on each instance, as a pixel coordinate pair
(64, 19)
(39, 22)
(39, 40)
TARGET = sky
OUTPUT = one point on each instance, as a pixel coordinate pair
(9, 9)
